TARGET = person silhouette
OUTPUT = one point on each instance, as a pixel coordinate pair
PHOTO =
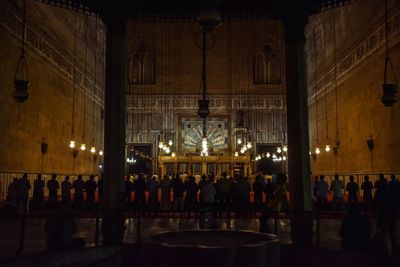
(355, 230)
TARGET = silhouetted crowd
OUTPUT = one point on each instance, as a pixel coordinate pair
(186, 194)
(180, 193)
(356, 231)
(382, 193)
(18, 192)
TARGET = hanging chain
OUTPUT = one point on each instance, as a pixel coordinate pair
(94, 82)
(315, 84)
(335, 73)
(387, 58)
(85, 80)
(74, 81)
(23, 28)
(325, 75)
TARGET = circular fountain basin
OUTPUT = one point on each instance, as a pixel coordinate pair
(204, 248)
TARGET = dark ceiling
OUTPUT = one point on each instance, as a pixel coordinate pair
(132, 8)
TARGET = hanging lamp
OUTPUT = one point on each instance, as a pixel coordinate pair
(317, 149)
(327, 146)
(83, 145)
(208, 18)
(93, 148)
(72, 142)
(389, 89)
(21, 79)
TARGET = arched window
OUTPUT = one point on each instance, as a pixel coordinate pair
(266, 66)
(142, 68)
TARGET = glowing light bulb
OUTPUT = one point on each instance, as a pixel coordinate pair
(167, 150)
(170, 142)
(83, 147)
(101, 152)
(242, 150)
(284, 148)
(248, 145)
(317, 150)
(93, 149)
(327, 148)
(204, 142)
(71, 144)
(284, 157)
(160, 144)
(239, 141)
(236, 154)
(173, 154)
(268, 155)
(278, 150)
(273, 156)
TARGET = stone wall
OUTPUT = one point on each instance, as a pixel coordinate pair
(360, 54)
(173, 48)
(47, 114)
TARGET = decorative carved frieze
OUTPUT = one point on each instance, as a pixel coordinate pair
(219, 103)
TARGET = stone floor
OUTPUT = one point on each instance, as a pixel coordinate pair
(35, 240)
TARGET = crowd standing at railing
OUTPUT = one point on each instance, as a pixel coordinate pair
(356, 230)
(184, 193)
(208, 196)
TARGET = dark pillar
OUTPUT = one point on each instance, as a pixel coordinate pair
(114, 133)
(297, 124)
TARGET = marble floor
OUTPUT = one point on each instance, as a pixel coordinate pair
(35, 241)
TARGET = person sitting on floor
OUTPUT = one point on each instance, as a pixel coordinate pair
(355, 230)
(61, 229)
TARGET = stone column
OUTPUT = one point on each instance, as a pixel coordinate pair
(162, 169)
(114, 134)
(203, 167)
(297, 127)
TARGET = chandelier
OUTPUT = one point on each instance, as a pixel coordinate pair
(208, 18)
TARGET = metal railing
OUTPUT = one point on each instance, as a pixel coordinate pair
(138, 214)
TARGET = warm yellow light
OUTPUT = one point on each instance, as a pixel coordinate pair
(167, 150)
(236, 154)
(278, 150)
(170, 142)
(93, 149)
(268, 155)
(101, 152)
(327, 148)
(72, 144)
(239, 141)
(284, 157)
(248, 145)
(160, 144)
(83, 147)
(317, 150)
(284, 148)
(173, 154)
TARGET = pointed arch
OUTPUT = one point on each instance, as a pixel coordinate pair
(267, 66)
